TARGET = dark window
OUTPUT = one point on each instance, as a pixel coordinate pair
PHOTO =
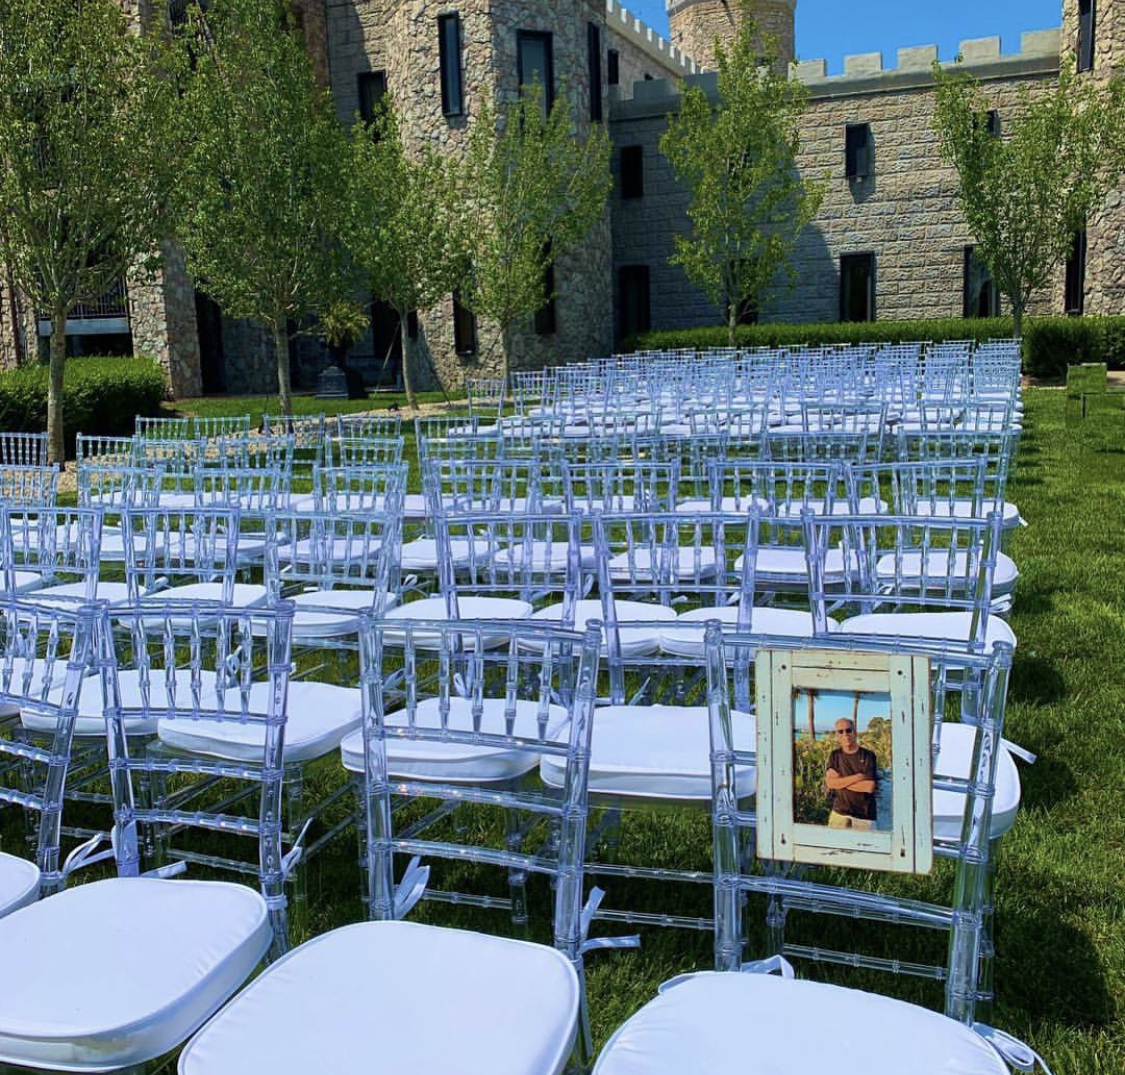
(412, 324)
(536, 63)
(993, 122)
(648, 77)
(613, 67)
(464, 328)
(545, 323)
(981, 296)
(449, 50)
(1087, 17)
(372, 90)
(857, 287)
(857, 150)
(632, 171)
(594, 61)
(1076, 275)
(633, 297)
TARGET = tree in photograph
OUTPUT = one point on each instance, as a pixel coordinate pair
(1026, 193)
(261, 197)
(406, 226)
(533, 189)
(737, 158)
(86, 164)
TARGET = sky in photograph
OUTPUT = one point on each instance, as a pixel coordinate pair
(832, 29)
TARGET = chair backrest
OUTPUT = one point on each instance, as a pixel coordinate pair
(45, 655)
(486, 396)
(357, 488)
(893, 563)
(180, 545)
(364, 451)
(490, 685)
(968, 843)
(32, 486)
(111, 485)
(59, 544)
(23, 449)
(247, 449)
(309, 431)
(616, 486)
(333, 549)
(209, 427)
(163, 427)
(200, 664)
(497, 485)
(368, 425)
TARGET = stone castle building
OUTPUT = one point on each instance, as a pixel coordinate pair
(889, 241)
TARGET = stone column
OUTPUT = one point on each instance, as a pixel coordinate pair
(162, 321)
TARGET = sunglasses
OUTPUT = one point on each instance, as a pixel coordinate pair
(844, 731)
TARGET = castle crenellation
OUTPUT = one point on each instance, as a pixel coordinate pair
(621, 21)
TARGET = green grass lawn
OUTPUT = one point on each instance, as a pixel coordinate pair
(256, 406)
(1060, 913)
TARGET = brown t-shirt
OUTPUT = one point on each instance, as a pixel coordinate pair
(857, 804)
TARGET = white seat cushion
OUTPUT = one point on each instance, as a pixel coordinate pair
(655, 752)
(174, 952)
(636, 641)
(391, 998)
(358, 551)
(685, 637)
(27, 581)
(786, 565)
(729, 505)
(954, 760)
(939, 626)
(318, 717)
(70, 594)
(543, 556)
(422, 553)
(758, 1024)
(1004, 575)
(691, 563)
(19, 883)
(243, 594)
(594, 501)
(414, 506)
(469, 608)
(462, 762)
(91, 713)
(332, 613)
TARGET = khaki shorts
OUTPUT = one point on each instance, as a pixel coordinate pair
(842, 821)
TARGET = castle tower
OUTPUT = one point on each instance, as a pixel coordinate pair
(695, 24)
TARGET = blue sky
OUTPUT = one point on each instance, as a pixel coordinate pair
(831, 29)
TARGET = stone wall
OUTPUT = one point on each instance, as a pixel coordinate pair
(162, 321)
(905, 212)
(1105, 230)
(694, 26)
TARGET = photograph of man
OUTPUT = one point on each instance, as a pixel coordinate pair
(851, 779)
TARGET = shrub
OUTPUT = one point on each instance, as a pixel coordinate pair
(1050, 344)
(100, 395)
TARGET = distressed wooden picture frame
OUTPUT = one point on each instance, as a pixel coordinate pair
(898, 682)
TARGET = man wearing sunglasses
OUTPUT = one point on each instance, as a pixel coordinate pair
(851, 779)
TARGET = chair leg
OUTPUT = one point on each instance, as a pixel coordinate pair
(986, 987)
(517, 879)
(295, 820)
(361, 843)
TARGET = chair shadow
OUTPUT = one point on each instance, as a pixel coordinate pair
(1035, 680)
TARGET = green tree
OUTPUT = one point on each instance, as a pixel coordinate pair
(85, 160)
(532, 190)
(262, 185)
(406, 224)
(1025, 194)
(738, 159)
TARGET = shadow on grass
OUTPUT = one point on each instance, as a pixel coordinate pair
(1035, 680)
(1048, 782)
(1047, 968)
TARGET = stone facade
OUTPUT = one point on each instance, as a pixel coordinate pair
(695, 25)
(905, 212)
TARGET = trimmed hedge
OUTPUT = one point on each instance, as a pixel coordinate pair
(100, 395)
(1050, 344)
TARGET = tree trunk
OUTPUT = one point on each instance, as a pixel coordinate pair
(1017, 319)
(56, 443)
(281, 349)
(407, 363)
(732, 322)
